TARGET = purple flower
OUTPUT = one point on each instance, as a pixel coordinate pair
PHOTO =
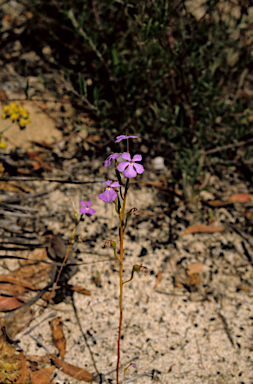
(122, 137)
(86, 208)
(129, 167)
(109, 159)
(109, 194)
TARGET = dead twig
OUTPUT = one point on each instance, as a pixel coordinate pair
(199, 351)
(226, 328)
(52, 314)
(54, 263)
(229, 146)
(95, 7)
(242, 234)
(84, 336)
(82, 97)
(40, 344)
(171, 293)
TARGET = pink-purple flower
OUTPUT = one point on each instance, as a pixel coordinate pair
(130, 168)
(109, 194)
(109, 159)
(86, 209)
(122, 137)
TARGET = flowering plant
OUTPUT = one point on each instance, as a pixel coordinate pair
(130, 168)
(16, 113)
(116, 192)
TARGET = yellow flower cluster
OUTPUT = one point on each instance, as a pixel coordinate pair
(16, 113)
(2, 145)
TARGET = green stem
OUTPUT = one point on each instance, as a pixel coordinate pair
(6, 129)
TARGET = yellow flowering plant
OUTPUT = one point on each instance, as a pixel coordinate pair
(16, 113)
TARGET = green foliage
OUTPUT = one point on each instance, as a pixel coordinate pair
(152, 67)
(190, 162)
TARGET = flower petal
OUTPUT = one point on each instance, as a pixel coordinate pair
(114, 156)
(88, 204)
(122, 166)
(139, 168)
(137, 158)
(107, 162)
(108, 195)
(126, 156)
(83, 203)
(104, 196)
(130, 171)
(113, 194)
(115, 184)
(108, 182)
(87, 211)
(121, 137)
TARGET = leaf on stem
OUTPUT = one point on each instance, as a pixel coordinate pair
(133, 211)
(113, 245)
(137, 268)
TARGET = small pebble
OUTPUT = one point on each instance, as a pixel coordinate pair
(158, 163)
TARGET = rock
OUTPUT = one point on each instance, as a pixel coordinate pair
(158, 163)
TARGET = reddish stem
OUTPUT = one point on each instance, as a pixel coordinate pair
(122, 214)
(120, 300)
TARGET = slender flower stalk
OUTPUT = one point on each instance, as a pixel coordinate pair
(121, 236)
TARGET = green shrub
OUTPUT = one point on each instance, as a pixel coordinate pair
(151, 67)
